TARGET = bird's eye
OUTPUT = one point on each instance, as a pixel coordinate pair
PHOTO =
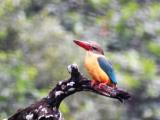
(94, 48)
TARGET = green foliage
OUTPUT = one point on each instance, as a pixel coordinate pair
(6, 6)
(99, 2)
(129, 9)
(154, 8)
(3, 35)
(154, 48)
(149, 68)
(64, 108)
(131, 81)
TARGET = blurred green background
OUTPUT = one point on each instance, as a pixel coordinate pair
(36, 45)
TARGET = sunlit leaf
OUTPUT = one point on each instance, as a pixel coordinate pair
(154, 48)
(128, 10)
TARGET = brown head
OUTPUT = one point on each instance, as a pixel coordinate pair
(90, 46)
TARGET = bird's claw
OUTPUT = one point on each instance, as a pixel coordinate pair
(111, 91)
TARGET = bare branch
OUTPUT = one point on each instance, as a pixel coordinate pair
(47, 108)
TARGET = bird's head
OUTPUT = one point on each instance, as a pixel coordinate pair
(90, 46)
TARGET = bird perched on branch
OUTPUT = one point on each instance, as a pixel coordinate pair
(99, 68)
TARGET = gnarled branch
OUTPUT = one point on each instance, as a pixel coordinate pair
(47, 107)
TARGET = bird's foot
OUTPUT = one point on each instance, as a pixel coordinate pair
(107, 88)
(93, 83)
(101, 85)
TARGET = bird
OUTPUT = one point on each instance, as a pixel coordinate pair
(96, 64)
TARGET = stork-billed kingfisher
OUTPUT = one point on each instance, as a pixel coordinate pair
(98, 67)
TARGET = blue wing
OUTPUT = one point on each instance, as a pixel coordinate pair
(107, 68)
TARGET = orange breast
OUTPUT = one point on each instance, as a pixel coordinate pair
(94, 69)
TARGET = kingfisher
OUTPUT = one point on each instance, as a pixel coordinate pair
(96, 64)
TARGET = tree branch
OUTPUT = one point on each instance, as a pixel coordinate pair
(48, 107)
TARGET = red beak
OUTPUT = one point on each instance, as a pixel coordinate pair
(83, 44)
